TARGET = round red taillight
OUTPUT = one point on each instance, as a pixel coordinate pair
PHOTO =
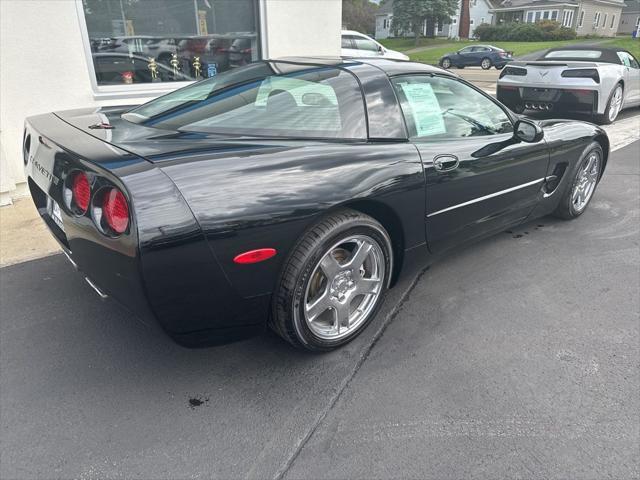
(116, 210)
(81, 191)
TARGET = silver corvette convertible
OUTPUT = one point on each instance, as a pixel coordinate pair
(591, 80)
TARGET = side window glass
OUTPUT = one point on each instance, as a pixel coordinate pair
(630, 61)
(346, 42)
(365, 44)
(624, 58)
(443, 108)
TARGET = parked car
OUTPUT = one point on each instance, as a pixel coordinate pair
(294, 193)
(356, 44)
(592, 80)
(485, 56)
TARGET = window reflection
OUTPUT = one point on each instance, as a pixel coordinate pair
(155, 41)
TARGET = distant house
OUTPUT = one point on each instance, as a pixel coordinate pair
(630, 17)
(586, 17)
(479, 13)
(384, 15)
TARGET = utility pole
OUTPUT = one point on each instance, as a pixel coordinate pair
(465, 16)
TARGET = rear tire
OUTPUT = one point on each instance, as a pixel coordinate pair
(485, 63)
(614, 105)
(333, 283)
(582, 186)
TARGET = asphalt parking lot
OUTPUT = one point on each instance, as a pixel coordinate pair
(517, 357)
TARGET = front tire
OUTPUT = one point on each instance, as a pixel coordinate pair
(614, 105)
(485, 63)
(445, 63)
(333, 283)
(579, 191)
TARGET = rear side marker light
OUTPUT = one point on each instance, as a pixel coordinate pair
(255, 256)
(81, 191)
(116, 210)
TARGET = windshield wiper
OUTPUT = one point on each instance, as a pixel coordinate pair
(471, 121)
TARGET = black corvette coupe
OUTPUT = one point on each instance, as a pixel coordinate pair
(292, 193)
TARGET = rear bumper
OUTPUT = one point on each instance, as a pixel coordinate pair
(549, 99)
(163, 268)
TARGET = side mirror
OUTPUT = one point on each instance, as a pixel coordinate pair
(528, 131)
(380, 49)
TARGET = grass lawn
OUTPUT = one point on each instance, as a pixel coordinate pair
(433, 55)
(628, 43)
(402, 44)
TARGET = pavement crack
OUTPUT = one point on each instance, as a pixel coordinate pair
(347, 380)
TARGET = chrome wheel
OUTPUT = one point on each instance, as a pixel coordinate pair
(616, 103)
(486, 64)
(344, 287)
(586, 181)
(446, 63)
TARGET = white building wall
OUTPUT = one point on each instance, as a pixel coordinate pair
(44, 66)
(303, 27)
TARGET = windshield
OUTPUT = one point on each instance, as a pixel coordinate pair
(263, 99)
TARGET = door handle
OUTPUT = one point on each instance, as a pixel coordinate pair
(445, 163)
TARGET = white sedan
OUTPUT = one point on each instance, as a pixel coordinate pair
(593, 80)
(356, 44)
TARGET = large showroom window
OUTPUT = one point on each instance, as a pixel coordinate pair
(167, 41)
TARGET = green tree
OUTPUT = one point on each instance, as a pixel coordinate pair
(359, 15)
(411, 15)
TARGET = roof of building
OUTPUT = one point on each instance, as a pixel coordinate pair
(631, 6)
(386, 8)
(528, 3)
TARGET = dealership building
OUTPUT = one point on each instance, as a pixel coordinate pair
(63, 54)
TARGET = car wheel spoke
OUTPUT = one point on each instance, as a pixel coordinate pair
(341, 316)
(359, 255)
(367, 286)
(318, 307)
(329, 266)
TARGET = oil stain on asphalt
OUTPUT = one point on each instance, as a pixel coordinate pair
(197, 401)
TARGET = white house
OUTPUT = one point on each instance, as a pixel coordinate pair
(630, 17)
(479, 13)
(62, 54)
(586, 17)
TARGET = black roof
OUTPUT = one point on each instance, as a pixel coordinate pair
(609, 55)
(387, 65)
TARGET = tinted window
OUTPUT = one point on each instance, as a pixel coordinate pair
(466, 50)
(264, 99)
(346, 42)
(439, 107)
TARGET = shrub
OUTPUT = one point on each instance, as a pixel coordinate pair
(524, 32)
